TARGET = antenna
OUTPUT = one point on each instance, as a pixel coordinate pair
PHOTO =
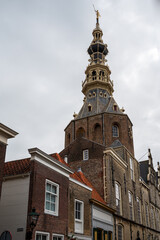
(94, 7)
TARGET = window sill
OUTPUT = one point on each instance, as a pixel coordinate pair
(51, 213)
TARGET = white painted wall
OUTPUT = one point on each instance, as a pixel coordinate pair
(14, 206)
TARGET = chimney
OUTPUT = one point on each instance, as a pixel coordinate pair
(5, 134)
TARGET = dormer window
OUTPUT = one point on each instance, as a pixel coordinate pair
(85, 154)
(66, 158)
(115, 107)
(115, 131)
(89, 108)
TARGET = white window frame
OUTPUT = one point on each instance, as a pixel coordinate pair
(79, 221)
(118, 196)
(56, 212)
(85, 154)
(57, 235)
(139, 214)
(131, 205)
(131, 162)
(42, 233)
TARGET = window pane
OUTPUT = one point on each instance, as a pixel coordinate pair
(54, 189)
(38, 237)
(48, 196)
(53, 198)
(48, 187)
(44, 237)
(52, 207)
(48, 205)
(54, 238)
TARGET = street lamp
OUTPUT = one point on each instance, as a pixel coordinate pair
(33, 219)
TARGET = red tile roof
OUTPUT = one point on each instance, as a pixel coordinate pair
(79, 176)
(84, 180)
(58, 157)
(17, 167)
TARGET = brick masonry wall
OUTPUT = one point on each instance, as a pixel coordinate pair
(92, 168)
(48, 223)
(2, 160)
(82, 194)
(105, 121)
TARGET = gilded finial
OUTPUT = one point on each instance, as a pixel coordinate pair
(97, 14)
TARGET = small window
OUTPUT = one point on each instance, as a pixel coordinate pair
(120, 232)
(115, 108)
(89, 108)
(118, 197)
(58, 237)
(130, 197)
(115, 131)
(79, 216)
(42, 236)
(52, 198)
(131, 168)
(139, 210)
(85, 154)
(66, 158)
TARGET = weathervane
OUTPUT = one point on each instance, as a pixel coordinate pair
(97, 14)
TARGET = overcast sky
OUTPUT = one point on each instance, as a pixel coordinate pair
(43, 57)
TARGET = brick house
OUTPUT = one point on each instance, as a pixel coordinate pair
(41, 182)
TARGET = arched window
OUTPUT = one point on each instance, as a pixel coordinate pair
(93, 75)
(80, 132)
(120, 232)
(97, 133)
(89, 108)
(115, 131)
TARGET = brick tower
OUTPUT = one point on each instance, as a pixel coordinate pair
(100, 118)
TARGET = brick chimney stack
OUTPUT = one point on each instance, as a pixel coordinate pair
(5, 134)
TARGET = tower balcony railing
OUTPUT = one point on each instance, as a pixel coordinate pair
(97, 78)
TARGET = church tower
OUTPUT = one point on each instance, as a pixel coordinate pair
(100, 118)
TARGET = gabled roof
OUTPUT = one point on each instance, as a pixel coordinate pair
(59, 158)
(17, 167)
